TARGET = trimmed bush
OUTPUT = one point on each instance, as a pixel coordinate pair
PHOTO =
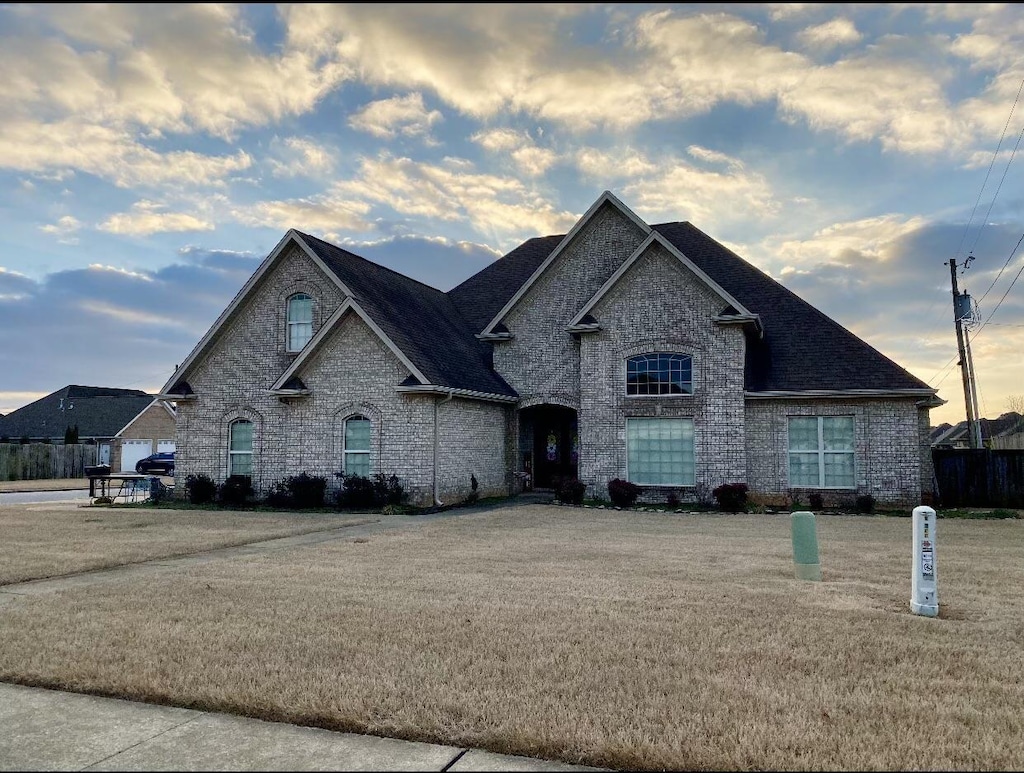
(672, 500)
(473, 494)
(302, 492)
(356, 492)
(570, 491)
(235, 491)
(623, 493)
(865, 503)
(816, 502)
(731, 497)
(200, 489)
(388, 490)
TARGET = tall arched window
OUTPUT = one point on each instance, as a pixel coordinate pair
(356, 453)
(659, 373)
(240, 447)
(300, 321)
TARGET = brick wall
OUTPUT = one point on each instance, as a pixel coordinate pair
(887, 439)
(660, 305)
(154, 424)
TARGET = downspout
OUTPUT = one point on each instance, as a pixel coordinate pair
(437, 403)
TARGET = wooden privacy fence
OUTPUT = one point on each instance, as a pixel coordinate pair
(979, 477)
(36, 461)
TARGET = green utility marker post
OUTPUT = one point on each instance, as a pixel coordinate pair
(805, 546)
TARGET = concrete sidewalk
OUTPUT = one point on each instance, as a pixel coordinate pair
(53, 730)
(47, 484)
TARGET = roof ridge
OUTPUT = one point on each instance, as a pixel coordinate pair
(372, 262)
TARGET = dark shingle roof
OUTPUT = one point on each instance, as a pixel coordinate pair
(1007, 424)
(98, 412)
(422, 321)
(485, 293)
(802, 348)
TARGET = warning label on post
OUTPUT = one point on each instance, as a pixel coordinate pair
(927, 559)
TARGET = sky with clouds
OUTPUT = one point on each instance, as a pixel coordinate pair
(152, 155)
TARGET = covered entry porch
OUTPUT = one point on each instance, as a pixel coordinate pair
(549, 446)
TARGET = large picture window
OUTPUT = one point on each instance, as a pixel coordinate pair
(240, 448)
(659, 374)
(821, 452)
(300, 321)
(660, 452)
(357, 446)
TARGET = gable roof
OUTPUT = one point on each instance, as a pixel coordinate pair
(423, 322)
(1005, 425)
(605, 199)
(156, 401)
(98, 412)
(801, 348)
(732, 304)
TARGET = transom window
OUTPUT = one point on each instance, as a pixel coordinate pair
(300, 321)
(356, 453)
(659, 452)
(821, 452)
(659, 374)
(240, 448)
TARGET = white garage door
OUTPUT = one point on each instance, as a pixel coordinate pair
(164, 446)
(132, 451)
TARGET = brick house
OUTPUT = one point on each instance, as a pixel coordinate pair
(151, 431)
(617, 350)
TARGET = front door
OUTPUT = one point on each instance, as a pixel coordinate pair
(555, 446)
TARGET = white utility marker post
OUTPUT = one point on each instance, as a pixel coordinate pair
(924, 594)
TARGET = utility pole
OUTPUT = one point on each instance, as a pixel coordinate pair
(966, 371)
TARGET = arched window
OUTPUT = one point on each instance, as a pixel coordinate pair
(240, 447)
(356, 454)
(300, 321)
(659, 374)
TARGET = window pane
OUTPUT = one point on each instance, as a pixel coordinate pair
(357, 434)
(660, 451)
(241, 436)
(357, 464)
(241, 464)
(839, 470)
(300, 308)
(299, 335)
(659, 374)
(803, 433)
(803, 470)
(837, 432)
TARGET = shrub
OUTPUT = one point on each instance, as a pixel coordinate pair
(235, 491)
(356, 492)
(865, 503)
(306, 491)
(623, 493)
(816, 501)
(279, 496)
(672, 500)
(731, 497)
(388, 490)
(200, 489)
(473, 494)
(71, 435)
(570, 490)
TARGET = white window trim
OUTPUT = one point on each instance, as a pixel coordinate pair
(345, 452)
(289, 324)
(232, 454)
(663, 485)
(822, 452)
(625, 377)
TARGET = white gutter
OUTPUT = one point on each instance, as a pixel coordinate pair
(843, 393)
(433, 389)
(437, 403)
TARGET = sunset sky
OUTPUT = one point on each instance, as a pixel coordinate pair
(152, 155)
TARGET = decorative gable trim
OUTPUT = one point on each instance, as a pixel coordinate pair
(247, 289)
(579, 323)
(605, 198)
(349, 304)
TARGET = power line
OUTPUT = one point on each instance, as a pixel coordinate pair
(991, 164)
(1000, 186)
(1012, 253)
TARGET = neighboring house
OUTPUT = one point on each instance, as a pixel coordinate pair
(617, 350)
(1003, 432)
(150, 431)
(97, 412)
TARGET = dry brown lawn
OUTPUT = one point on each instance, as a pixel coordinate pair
(45, 540)
(635, 641)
